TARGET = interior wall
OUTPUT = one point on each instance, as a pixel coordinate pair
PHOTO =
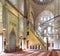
(1, 24)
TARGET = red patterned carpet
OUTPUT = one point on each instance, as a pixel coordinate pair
(32, 53)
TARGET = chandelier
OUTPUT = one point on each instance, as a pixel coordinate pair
(42, 1)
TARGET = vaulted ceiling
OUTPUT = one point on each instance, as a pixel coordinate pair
(51, 6)
(37, 8)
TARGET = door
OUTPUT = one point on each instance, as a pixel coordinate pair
(27, 44)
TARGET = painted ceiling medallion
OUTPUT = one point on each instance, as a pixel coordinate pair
(42, 1)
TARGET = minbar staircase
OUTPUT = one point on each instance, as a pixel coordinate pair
(41, 42)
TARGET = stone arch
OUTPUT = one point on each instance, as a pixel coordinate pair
(44, 13)
(38, 22)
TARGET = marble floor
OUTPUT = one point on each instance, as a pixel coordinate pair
(32, 53)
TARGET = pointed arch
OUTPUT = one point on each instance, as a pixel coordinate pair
(12, 40)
